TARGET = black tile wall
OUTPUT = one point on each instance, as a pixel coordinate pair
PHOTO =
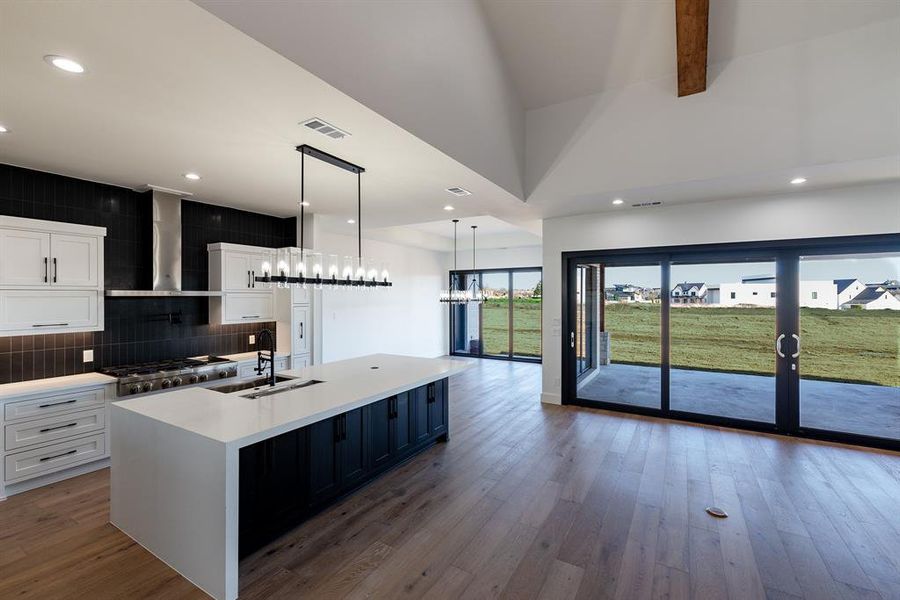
(135, 329)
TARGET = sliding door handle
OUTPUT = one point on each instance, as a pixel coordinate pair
(797, 339)
(778, 345)
(572, 339)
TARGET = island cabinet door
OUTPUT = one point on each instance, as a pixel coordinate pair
(324, 460)
(420, 398)
(353, 448)
(437, 416)
(380, 424)
(403, 425)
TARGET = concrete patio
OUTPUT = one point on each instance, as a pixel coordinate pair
(848, 407)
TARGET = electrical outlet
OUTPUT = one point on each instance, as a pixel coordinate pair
(252, 340)
(87, 356)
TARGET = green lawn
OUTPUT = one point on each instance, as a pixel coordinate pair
(848, 345)
(526, 325)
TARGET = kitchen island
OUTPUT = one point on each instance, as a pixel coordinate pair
(200, 477)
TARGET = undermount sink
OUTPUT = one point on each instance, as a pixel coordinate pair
(281, 388)
(250, 383)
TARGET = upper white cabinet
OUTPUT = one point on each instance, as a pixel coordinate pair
(51, 277)
(24, 258)
(75, 261)
(233, 269)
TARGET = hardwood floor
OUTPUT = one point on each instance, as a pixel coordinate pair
(527, 501)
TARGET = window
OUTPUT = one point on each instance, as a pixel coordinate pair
(693, 293)
(756, 293)
(815, 295)
(771, 294)
(732, 295)
(508, 323)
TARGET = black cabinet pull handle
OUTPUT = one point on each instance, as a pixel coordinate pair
(253, 280)
(55, 270)
(301, 330)
(46, 269)
(72, 451)
(248, 278)
(73, 401)
(337, 428)
(51, 325)
(45, 430)
(343, 427)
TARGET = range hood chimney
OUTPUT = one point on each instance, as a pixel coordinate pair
(166, 248)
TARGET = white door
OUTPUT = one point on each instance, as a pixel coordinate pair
(38, 311)
(236, 271)
(302, 334)
(24, 258)
(74, 260)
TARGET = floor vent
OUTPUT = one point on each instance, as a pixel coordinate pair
(325, 128)
(647, 204)
(458, 191)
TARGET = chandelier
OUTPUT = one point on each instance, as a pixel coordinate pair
(458, 293)
(303, 267)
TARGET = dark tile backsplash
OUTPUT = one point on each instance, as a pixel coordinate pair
(136, 329)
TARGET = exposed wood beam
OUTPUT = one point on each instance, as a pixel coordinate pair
(691, 34)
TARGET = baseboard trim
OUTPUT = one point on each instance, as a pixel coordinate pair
(550, 398)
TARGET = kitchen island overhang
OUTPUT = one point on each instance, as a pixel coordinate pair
(175, 473)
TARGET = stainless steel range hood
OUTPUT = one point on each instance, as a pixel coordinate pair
(166, 248)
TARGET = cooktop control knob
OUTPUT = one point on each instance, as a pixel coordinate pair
(165, 383)
(223, 374)
(135, 389)
(203, 377)
(193, 379)
(147, 387)
(176, 381)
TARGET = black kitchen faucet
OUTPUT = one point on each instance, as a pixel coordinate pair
(261, 360)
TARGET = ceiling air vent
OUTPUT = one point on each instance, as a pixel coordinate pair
(647, 204)
(325, 128)
(458, 191)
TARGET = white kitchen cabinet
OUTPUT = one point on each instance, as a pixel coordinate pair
(53, 429)
(300, 343)
(243, 307)
(27, 312)
(24, 258)
(233, 269)
(247, 368)
(300, 361)
(51, 277)
(74, 261)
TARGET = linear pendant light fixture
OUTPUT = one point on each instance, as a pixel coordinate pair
(325, 270)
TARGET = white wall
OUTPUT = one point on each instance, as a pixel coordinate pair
(405, 319)
(498, 258)
(858, 210)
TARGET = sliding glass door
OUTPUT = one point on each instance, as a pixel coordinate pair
(721, 324)
(507, 324)
(798, 337)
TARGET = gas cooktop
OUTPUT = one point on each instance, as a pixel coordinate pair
(160, 375)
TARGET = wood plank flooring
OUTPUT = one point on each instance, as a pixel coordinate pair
(527, 501)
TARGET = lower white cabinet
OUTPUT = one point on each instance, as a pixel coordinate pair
(247, 368)
(39, 311)
(300, 323)
(52, 426)
(56, 457)
(242, 307)
(299, 361)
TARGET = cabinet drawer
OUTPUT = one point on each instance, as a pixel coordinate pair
(53, 428)
(248, 308)
(46, 311)
(52, 405)
(300, 361)
(31, 463)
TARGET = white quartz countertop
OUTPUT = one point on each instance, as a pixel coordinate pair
(347, 384)
(54, 384)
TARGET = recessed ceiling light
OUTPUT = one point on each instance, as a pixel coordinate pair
(3, 129)
(798, 180)
(192, 176)
(448, 207)
(66, 64)
(618, 201)
(351, 221)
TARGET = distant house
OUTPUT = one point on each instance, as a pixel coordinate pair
(873, 298)
(847, 289)
(625, 292)
(689, 293)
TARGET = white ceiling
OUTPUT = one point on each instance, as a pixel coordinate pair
(438, 235)
(169, 88)
(557, 50)
(447, 93)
